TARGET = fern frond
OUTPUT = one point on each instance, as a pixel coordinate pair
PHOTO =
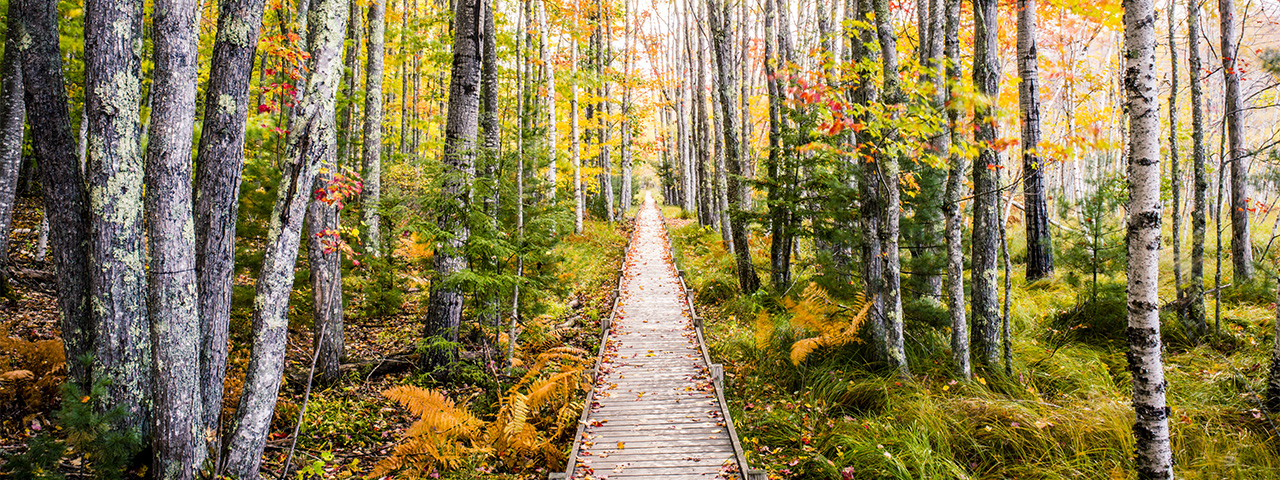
(764, 329)
(802, 348)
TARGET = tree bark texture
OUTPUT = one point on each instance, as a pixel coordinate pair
(12, 119)
(1199, 178)
(117, 279)
(1175, 171)
(372, 155)
(1241, 246)
(986, 173)
(350, 76)
(720, 28)
(219, 164)
(889, 168)
(1151, 429)
(310, 145)
(66, 200)
(444, 309)
(872, 199)
(178, 441)
(325, 262)
(1036, 207)
(952, 199)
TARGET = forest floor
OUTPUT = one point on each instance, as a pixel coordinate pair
(347, 427)
(1064, 412)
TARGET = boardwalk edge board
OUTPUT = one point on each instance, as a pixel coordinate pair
(596, 394)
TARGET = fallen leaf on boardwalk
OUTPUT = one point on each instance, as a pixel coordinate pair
(621, 445)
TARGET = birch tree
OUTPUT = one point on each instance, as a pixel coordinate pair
(311, 142)
(1151, 429)
(892, 96)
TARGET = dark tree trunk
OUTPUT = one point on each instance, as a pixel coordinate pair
(310, 145)
(178, 441)
(954, 192)
(219, 164)
(444, 309)
(986, 173)
(893, 329)
(1199, 180)
(325, 262)
(66, 201)
(350, 76)
(1241, 244)
(1039, 239)
(779, 214)
(720, 28)
(372, 142)
(872, 199)
(12, 121)
(118, 285)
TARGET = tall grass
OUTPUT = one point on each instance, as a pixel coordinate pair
(1063, 413)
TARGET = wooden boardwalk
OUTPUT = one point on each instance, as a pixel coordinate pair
(657, 409)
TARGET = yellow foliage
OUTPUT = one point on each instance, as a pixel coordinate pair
(30, 373)
(443, 437)
(833, 323)
(534, 414)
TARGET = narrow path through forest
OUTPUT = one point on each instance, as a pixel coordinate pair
(654, 411)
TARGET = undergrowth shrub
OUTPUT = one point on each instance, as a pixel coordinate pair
(533, 418)
(31, 373)
(86, 436)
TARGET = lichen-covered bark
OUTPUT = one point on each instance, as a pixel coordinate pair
(1241, 246)
(720, 28)
(372, 157)
(12, 116)
(444, 308)
(310, 144)
(325, 262)
(219, 163)
(866, 94)
(986, 171)
(117, 277)
(177, 442)
(1035, 203)
(892, 283)
(952, 198)
(1199, 179)
(1151, 429)
(65, 200)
